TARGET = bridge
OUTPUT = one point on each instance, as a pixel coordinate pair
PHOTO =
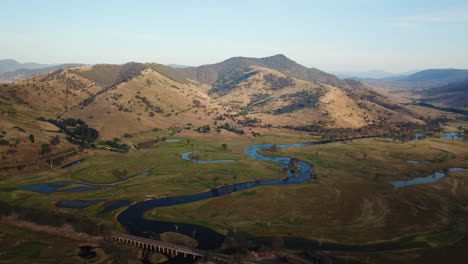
(156, 245)
(168, 248)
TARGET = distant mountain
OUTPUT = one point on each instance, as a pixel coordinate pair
(374, 74)
(421, 80)
(10, 65)
(178, 66)
(436, 75)
(234, 68)
(22, 74)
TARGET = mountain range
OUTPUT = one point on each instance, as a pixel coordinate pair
(9, 65)
(442, 87)
(243, 92)
(11, 70)
(373, 74)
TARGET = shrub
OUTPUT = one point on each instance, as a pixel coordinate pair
(55, 140)
(203, 129)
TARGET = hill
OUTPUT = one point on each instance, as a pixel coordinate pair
(238, 95)
(234, 69)
(450, 95)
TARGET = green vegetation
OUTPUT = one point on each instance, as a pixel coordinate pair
(228, 127)
(115, 145)
(352, 201)
(27, 250)
(445, 157)
(78, 131)
(203, 129)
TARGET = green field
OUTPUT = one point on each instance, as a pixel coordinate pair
(350, 201)
(19, 245)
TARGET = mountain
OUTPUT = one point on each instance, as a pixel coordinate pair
(23, 73)
(243, 92)
(437, 76)
(234, 69)
(374, 74)
(10, 65)
(425, 79)
(178, 66)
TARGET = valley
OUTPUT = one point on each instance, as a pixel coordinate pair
(250, 154)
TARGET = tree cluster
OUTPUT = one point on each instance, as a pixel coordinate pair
(77, 131)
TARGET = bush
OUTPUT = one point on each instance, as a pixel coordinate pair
(228, 127)
(46, 149)
(224, 147)
(446, 157)
(203, 129)
(127, 135)
(5, 208)
(55, 140)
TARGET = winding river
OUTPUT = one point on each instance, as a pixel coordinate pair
(133, 221)
(132, 217)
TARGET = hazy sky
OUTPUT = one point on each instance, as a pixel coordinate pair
(347, 35)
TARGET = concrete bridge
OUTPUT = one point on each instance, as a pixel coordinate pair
(170, 249)
(156, 245)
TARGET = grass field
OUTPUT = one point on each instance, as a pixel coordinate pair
(19, 245)
(351, 201)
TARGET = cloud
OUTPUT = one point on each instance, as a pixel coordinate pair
(451, 16)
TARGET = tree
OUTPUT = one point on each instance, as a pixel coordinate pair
(215, 180)
(274, 148)
(196, 103)
(5, 209)
(224, 147)
(46, 149)
(55, 140)
(31, 138)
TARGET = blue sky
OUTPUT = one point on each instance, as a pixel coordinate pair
(347, 35)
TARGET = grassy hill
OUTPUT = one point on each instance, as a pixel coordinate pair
(214, 74)
(243, 92)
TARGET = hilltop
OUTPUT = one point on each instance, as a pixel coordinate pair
(230, 69)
